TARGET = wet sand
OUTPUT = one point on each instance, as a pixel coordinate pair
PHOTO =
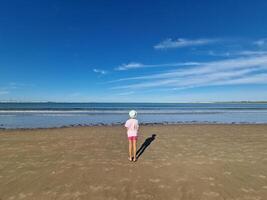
(182, 162)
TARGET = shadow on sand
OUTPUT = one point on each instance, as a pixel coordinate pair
(146, 143)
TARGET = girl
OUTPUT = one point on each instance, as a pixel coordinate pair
(132, 131)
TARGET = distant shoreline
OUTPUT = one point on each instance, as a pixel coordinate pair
(141, 124)
(44, 102)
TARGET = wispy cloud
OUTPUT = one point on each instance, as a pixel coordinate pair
(252, 79)
(241, 70)
(179, 43)
(100, 71)
(128, 66)
(11, 86)
(3, 92)
(126, 93)
(236, 53)
(261, 42)
(245, 76)
(134, 65)
(251, 53)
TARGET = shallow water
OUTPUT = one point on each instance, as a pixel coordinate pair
(43, 115)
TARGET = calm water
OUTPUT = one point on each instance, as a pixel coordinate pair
(42, 115)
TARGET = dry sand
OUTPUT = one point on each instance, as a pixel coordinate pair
(182, 162)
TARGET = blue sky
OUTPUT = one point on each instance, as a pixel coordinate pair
(133, 51)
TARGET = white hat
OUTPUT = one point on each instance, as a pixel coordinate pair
(132, 113)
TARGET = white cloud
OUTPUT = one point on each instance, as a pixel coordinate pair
(134, 65)
(131, 65)
(226, 71)
(126, 93)
(100, 71)
(179, 43)
(260, 42)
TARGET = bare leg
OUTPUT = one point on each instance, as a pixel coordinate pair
(134, 150)
(130, 150)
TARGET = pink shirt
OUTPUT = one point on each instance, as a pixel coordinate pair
(132, 127)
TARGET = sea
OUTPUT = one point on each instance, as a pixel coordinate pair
(49, 114)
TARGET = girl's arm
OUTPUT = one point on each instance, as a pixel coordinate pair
(126, 124)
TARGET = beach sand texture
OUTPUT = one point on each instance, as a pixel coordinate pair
(183, 162)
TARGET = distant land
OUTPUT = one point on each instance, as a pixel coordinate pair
(240, 102)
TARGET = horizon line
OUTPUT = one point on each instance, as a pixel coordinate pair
(204, 102)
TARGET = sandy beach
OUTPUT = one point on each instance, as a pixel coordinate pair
(182, 162)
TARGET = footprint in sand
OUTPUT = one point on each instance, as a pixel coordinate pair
(200, 163)
(144, 196)
(163, 186)
(262, 176)
(154, 180)
(227, 173)
(66, 195)
(208, 178)
(125, 180)
(108, 169)
(211, 194)
(96, 188)
(215, 159)
(22, 196)
(180, 180)
(247, 190)
(78, 193)
(167, 164)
